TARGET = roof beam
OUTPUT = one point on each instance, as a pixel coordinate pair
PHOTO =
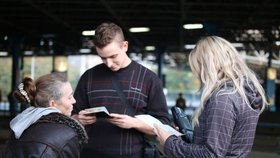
(181, 23)
(53, 17)
(119, 20)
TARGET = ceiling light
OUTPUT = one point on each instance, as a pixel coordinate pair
(2, 53)
(42, 43)
(150, 48)
(50, 42)
(189, 46)
(88, 33)
(238, 45)
(193, 26)
(28, 52)
(85, 50)
(139, 29)
(253, 31)
(277, 43)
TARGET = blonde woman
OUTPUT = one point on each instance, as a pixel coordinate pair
(231, 101)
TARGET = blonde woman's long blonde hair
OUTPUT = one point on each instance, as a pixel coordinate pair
(215, 61)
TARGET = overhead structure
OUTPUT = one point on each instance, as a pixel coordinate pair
(256, 23)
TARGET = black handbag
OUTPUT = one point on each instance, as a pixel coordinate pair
(182, 121)
(150, 143)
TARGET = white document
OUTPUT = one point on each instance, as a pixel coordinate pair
(100, 111)
(150, 120)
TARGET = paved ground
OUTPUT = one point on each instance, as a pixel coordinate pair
(258, 154)
(266, 147)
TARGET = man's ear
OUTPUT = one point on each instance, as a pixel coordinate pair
(125, 45)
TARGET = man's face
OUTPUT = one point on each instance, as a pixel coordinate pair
(114, 55)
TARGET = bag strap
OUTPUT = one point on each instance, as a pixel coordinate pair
(150, 150)
(128, 109)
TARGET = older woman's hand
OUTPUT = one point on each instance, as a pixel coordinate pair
(84, 118)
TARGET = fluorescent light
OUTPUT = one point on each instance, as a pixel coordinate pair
(277, 43)
(139, 29)
(253, 31)
(2, 53)
(238, 45)
(193, 26)
(150, 48)
(85, 50)
(28, 52)
(50, 42)
(88, 32)
(189, 46)
(42, 43)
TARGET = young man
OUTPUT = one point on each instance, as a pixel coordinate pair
(120, 136)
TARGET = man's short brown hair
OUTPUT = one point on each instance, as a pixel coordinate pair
(105, 33)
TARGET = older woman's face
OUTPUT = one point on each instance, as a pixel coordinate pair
(65, 103)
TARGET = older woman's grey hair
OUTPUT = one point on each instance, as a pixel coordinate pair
(48, 87)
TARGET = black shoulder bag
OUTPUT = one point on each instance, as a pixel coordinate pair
(150, 148)
(182, 121)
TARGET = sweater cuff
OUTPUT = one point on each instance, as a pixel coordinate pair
(168, 144)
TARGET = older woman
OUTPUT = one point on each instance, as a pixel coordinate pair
(45, 129)
(231, 101)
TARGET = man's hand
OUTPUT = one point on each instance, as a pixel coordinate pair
(84, 118)
(128, 122)
(123, 121)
